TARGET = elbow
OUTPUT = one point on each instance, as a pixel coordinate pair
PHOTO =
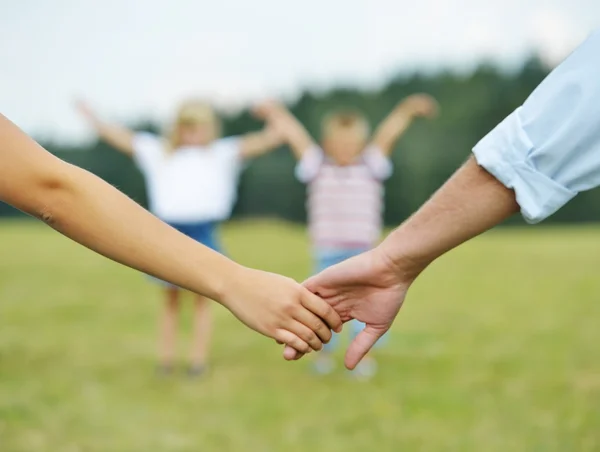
(50, 198)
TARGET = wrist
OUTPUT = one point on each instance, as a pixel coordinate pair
(405, 112)
(401, 257)
(222, 282)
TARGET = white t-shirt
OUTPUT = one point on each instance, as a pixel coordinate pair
(191, 184)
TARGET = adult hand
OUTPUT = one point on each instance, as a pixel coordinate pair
(368, 288)
(280, 308)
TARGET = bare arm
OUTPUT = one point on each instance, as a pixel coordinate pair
(372, 287)
(400, 119)
(86, 209)
(471, 202)
(255, 144)
(287, 126)
(536, 170)
(119, 137)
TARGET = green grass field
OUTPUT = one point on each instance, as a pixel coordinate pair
(497, 349)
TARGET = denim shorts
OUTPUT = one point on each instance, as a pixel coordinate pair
(205, 233)
(327, 257)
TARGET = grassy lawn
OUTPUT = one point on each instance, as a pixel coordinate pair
(497, 349)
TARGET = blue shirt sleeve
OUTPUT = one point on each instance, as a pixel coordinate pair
(548, 150)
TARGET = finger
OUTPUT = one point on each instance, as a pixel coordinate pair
(321, 308)
(291, 354)
(304, 333)
(361, 345)
(310, 320)
(313, 283)
(434, 108)
(258, 111)
(293, 341)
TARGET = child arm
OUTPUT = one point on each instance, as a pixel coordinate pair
(93, 213)
(287, 126)
(398, 121)
(119, 137)
(254, 144)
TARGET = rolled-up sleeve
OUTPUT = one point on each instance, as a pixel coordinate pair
(548, 150)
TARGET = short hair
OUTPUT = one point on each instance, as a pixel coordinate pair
(343, 120)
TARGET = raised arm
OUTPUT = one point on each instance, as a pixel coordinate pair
(372, 287)
(286, 126)
(88, 210)
(254, 144)
(536, 160)
(398, 121)
(119, 137)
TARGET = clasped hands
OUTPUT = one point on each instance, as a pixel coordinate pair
(369, 288)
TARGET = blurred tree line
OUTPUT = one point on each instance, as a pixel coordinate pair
(471, 105)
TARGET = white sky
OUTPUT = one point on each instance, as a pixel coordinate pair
(138, 58)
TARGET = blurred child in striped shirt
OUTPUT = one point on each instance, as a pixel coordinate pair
(345, 175)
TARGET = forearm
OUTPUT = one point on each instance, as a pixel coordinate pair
(292, 132)
(96, 215)
(258, 143)
(392, 129)
(471, 202)
(117, 136)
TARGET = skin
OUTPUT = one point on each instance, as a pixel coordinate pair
(84, 208)
(372, 287)
(199, 134)
(345, 147)
(252, 144)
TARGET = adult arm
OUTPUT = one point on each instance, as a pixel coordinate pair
(534, 161)
(86, 209)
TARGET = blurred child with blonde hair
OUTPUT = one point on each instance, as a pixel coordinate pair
(345, 175)
(191, 180)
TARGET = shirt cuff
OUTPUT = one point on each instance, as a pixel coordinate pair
(505, 153)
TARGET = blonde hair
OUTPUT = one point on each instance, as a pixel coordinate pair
(345, 121)
(193, 112)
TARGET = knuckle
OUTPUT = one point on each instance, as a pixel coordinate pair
(309, 335)
(318, 327)
(290, 307)
(330, 312)
(314, 339)
(303, 348)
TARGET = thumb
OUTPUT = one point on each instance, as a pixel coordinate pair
(361, 345)
(291, 354)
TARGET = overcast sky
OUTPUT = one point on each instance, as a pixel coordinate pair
(133, 58)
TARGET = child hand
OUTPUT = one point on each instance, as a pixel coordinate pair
(282, 309)
(267, 110)
(84, 109)
(421, 105)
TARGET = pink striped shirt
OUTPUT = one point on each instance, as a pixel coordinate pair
(345, 203)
